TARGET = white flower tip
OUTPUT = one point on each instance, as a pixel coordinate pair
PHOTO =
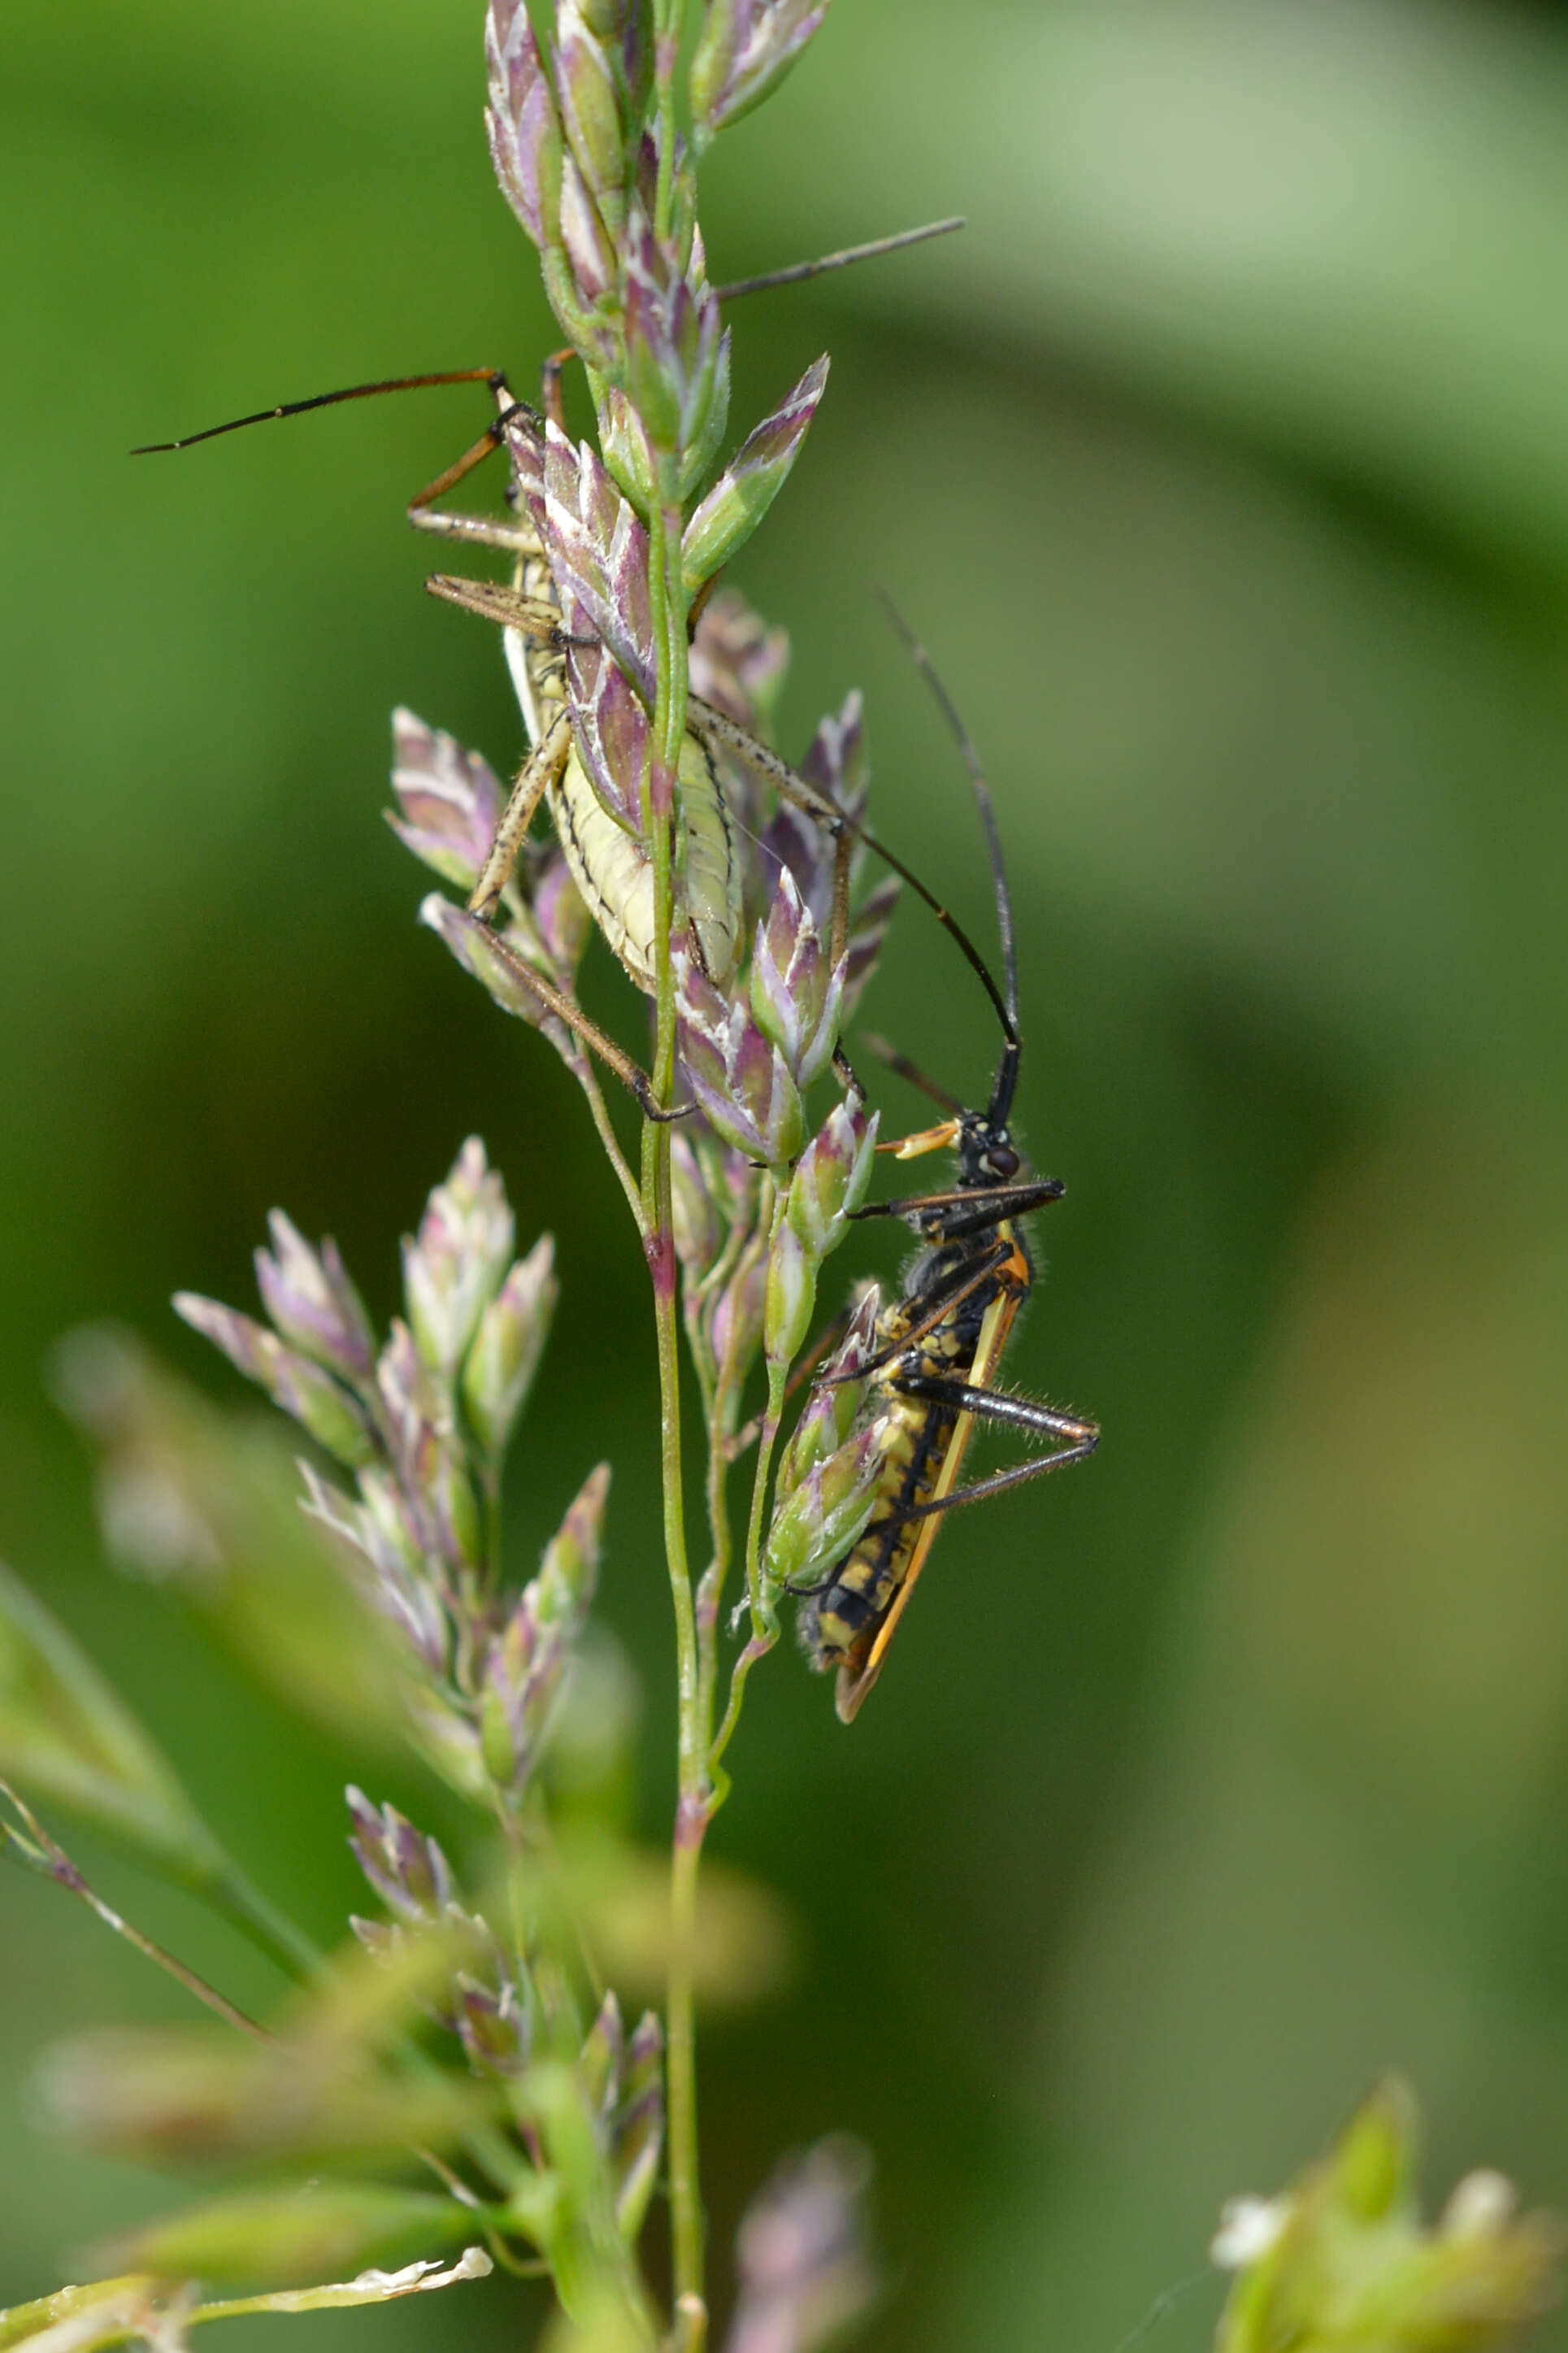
(414, 2278)
(1479, 2205)
(1248, 2228)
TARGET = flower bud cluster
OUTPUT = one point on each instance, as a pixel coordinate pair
(426, 1424)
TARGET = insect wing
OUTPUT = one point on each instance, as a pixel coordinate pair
(852, 1689)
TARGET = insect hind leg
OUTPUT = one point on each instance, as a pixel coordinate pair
(1080, 1437)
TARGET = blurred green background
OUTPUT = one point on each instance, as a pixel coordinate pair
(1223, 464)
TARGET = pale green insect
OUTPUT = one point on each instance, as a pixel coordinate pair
(609, 863)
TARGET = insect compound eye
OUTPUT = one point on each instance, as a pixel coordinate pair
(1001, 1161)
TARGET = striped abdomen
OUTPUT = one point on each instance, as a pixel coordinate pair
(841, 1624)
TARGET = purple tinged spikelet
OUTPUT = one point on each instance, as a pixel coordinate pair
(831, 1176)
(507, 1347)
(638, 2125)
(453, 1268)
(590, 256)
(741, 1080)
(610, 732)
(590, 110)
(830, 1412)
(625, 29)
(427, 1452)
(790, 1296)
(312, 1302)
(521, 120)
(304, 1390)
(817, 1522)
(598, 558)
(796, 993)
(528, 1659)
(745, 49)
(494, 2026)
(835, 764)
(621, 2081)
(749, 484)
(792, 843)
(407, 1870)
(449, 801)
(628, 451)
(382, 1544)
(601, 2059)
(498, 968)
(804, 2272)
(695, 1222)
(735, 1321)
(677, 371)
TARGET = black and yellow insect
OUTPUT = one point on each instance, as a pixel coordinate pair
(937, 1352)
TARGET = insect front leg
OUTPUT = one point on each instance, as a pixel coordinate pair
(1080, 1438)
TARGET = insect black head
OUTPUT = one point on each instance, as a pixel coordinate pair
(986, 1155)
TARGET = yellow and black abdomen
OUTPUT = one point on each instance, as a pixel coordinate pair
(842, 1623)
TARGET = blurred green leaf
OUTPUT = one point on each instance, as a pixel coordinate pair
(191, 2096)
(288, 2237)
(67, 1739)
(747, 1941)
(317, 2091)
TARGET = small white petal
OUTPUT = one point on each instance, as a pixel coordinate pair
(1480, 2205)
(1249, 2227)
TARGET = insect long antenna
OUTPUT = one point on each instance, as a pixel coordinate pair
(1007, 1073)
(491, 376)
(843, 260)
(905, 1068)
